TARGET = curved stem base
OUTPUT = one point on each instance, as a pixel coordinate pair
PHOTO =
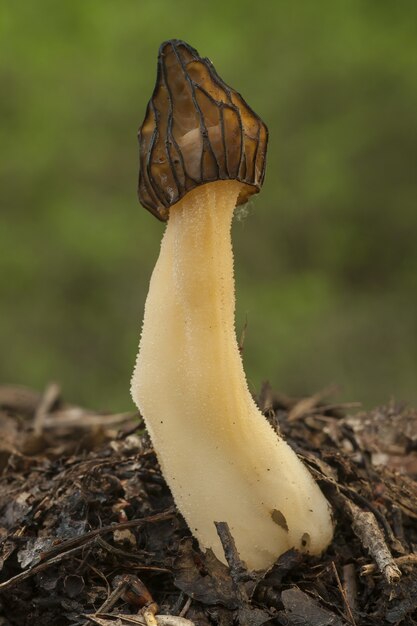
(220, 457)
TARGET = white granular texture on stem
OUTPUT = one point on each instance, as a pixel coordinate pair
(219, 455)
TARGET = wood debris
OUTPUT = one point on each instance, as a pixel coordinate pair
(89, 533)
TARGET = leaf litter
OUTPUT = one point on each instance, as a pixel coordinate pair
(89, 533)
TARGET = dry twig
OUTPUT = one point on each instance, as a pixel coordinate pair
(366, 528)
(349, 613)
(72, 546)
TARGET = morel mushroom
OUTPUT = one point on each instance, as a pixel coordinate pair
(202, 152)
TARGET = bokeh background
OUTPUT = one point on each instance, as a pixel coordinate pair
(326, 257)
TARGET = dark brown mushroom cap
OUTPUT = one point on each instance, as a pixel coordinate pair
(196, 130)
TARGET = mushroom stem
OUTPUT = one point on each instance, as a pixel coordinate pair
(220, 457)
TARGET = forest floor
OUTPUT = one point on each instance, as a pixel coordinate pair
(89, 534)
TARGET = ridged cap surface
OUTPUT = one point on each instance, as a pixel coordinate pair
(196, 130)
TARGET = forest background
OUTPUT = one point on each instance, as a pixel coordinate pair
(326, 255)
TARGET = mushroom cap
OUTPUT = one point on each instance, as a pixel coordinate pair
(196, 130)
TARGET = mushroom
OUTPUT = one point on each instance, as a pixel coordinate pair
(202, 152)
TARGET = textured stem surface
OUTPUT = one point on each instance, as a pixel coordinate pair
(220, 457)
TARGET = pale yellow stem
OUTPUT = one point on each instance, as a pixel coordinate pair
(219, 455)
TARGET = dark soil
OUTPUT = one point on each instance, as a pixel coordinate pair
(89, 533)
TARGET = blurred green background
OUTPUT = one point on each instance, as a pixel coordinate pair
(326, 259)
